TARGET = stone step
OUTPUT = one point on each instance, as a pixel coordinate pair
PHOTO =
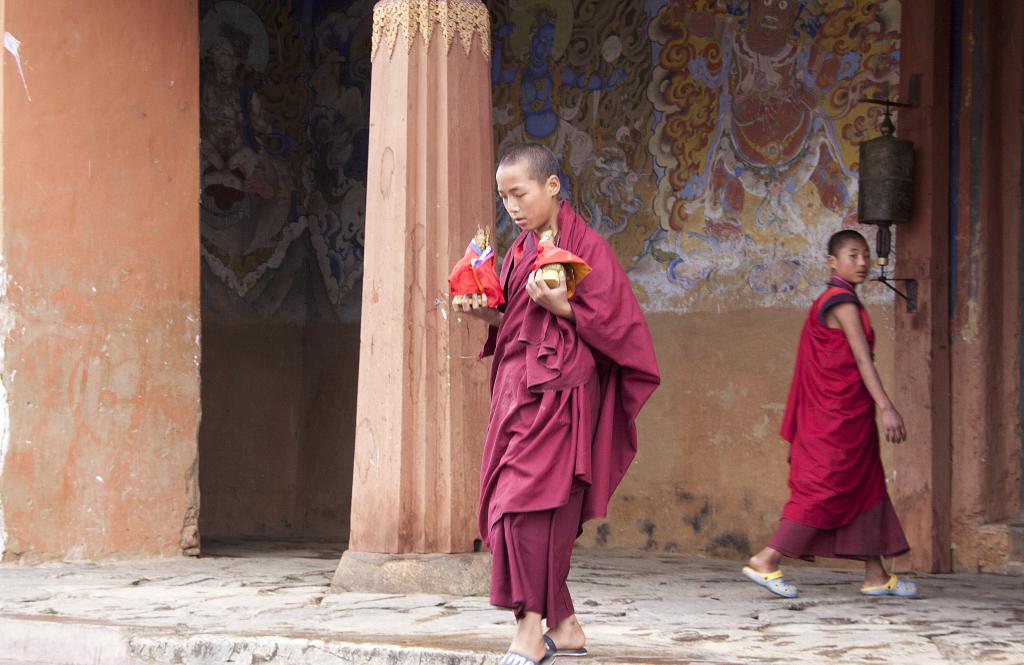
(49, 641)
(55, 641)
(31, 640)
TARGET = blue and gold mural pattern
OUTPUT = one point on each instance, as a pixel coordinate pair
(573, 75)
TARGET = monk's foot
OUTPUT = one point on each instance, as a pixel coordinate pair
(534, 649)
(876, 580)
(529, 638)
(875, 573)
(763, 562)
(568, 634)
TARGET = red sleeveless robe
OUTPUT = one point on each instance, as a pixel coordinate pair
(835, 467)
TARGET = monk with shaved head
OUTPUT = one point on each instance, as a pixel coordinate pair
(573, 363)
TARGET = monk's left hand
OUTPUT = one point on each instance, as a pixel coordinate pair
(555, 300)
(892, 421)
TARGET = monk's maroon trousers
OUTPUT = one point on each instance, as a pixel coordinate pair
(531, 555)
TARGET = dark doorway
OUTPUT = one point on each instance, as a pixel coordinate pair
(283, 121)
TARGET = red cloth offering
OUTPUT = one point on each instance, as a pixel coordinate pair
(475, 274)
(564, 395)
(575, 268)
(835, 467)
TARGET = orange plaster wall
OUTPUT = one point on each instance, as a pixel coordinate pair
(710, 474)
(101, 253)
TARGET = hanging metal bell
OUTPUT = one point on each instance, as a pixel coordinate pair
(886, 185)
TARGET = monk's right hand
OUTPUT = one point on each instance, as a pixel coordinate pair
(476, 306)
(892, 421)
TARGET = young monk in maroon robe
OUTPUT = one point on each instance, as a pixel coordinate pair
(567, 381)
(838, 504)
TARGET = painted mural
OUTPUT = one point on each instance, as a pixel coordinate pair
(756, 143)
(713, 142)
(573, 76)
(284, 117)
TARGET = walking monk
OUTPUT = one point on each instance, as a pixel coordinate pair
(569, 376)
(838, 504)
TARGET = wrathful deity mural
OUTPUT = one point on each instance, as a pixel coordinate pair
(284, 94)
(713, 142)
(756, 142)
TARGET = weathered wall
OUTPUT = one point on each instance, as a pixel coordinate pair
(710, 474)
(100, 365)
(6, 316)
(284, 116)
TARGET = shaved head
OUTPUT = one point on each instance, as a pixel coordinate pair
(842, 239)
(539, 161)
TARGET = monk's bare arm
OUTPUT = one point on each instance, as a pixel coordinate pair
(847, 316)
(478, 309)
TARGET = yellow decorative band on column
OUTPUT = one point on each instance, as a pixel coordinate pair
(463, 17)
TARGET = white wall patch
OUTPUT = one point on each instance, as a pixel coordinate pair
(13, 46)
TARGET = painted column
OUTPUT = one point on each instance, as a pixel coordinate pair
(921, 465)
(423, 396)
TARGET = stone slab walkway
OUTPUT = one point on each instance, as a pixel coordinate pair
(261, 604)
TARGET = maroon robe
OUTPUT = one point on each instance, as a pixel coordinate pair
(564, 395)
(838, 503)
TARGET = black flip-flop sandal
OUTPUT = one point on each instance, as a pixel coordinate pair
(579, 652)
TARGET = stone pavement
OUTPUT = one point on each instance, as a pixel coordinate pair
(263, 604)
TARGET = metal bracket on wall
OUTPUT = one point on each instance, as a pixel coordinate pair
(911, 285)
(913, 96)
